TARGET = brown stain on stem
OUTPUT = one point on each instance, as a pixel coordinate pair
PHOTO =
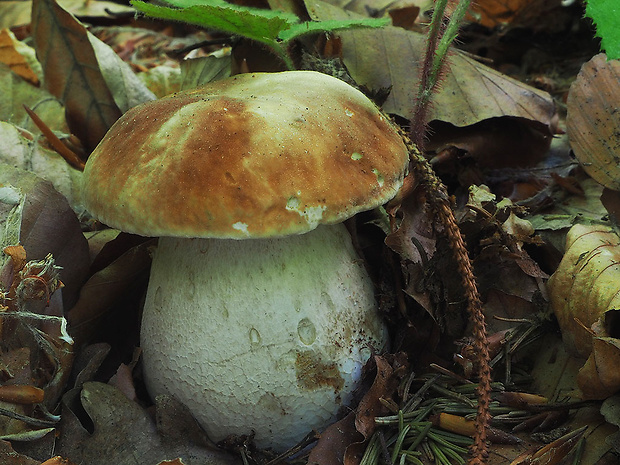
(313, 373)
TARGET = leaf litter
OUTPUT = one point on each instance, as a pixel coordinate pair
(499, 113)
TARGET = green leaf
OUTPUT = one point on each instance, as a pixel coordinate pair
(606, 17)
(273, 28)
(309, 27)
(253, 23)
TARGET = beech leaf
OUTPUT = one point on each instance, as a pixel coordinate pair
(11, 54)
(584, 297)
(72, 72)
(593, 120)
(389, 59)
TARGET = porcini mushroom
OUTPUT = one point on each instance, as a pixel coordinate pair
(268, 334)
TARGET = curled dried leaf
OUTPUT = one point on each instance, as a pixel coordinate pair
(586, 283)
(585, 296)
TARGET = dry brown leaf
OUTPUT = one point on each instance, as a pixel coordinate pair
(492, 13)
(105, 288)
(335, 441)
(593, 120)
(16, 61)
(9, 457)
(389, 58)
(72, 72)
(344, 441)
(553, 453)
(415, 242)
(58, 461)
(43, 222)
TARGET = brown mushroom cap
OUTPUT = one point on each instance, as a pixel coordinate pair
(256, 155)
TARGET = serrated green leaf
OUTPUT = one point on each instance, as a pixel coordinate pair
(253, 23)
(188, 3)
(606, 17)
(297, 30)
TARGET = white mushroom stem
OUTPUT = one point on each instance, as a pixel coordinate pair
(265, 335)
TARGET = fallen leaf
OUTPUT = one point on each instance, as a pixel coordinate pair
(334, 442)
(58, 461)
(344, 441)
(611, 411)
(162, 80)
(584, 297)
(10, 55)
(567, 211)
(44, 223)
(553, 453)
(105, 288)
(127, 89)
(9, 457)
(388, 58)
(415, 242)
(22, 150)
(585, 285)
(494, 13)
(17, 13)
(123, 433)
(72, 72)
(16, 92)
(198, 72)
(599, 378)
(176, 425)
(592, 120)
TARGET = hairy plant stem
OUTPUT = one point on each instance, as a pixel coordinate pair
(440, 203)
(440, 37)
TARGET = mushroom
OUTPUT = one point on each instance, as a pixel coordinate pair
(267, 334)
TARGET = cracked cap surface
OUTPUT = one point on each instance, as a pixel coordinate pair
(255, 155)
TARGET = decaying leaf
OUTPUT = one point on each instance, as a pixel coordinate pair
(17, 13)
(599, 378)
(389, 58)
(72, 72)
(9, 457)
(554, 453)
(123, 432)
(593, 119)
(35, 215)
(585, 296)
(415, 242)
(345, 440)
(585, 285)
(611, 411)
(105, 287)
(21, 149)
(16, 92)
(32, 324)
(10, 55)
(493, 13)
